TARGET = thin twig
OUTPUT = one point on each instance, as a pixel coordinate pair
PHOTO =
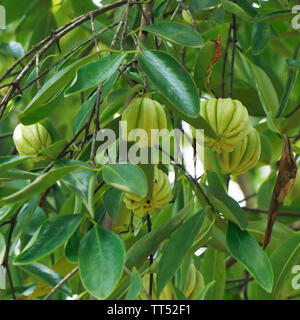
(61, 283)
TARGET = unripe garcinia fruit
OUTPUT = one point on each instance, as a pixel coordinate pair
(161, 196)
(230, 121)
(243, 158)
(31, 140)
(194, 284)
(146, 114)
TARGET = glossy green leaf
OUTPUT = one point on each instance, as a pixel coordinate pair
(177, 33)
(8, 162)
(7, 211)
(275, 16)
(203, 293)
(244, 248)
(72, 246)
(53, 233)
(87, 107)
(227, 206)
(44, 181)
(172, 80)
(261, 33)
(49, 90)
(266, 91)
(176, 249)
(94, 73)
(203, 63)
(25, 215)
(235, 9)
(101, 261)
(2, 248)
(290, 83)
(112, 200)
(134, 286)
(47, 275)
(119, 175)
(15, 174)
(213, 269)
(141, 249)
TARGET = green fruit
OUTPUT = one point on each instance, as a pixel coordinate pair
(161, 196)
(146, 114)
(166, 294)
(230, 121)
(243, 158)
(31, 140)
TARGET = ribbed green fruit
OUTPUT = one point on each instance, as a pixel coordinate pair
(31, 140)
(194, 284)
(161, 196)
(146, 114)
(243, 158)
(230, 121)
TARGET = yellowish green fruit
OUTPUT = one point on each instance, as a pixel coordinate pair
(122, 221)
(230, 121)
(31, 140)
(146, 114)
(161, 196)
(194, 284)
(243, 158)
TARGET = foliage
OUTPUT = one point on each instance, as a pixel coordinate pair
(65, 229)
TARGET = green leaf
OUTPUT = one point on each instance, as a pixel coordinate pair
(276, 16)
(134, 286)
(49, 90)
(47, 276)
(18, 175)
(141, 249)
(213, 269)
(119, 175)
(227, 206)
(172, 80)
(72, 246)
(266, 91)
(176, 249)
(244, 248)
(177, 33)
(7, 211)
(8, 162)
(203, 64)
(112, 200)
(53, 233)
(44, 181)
(235, 9)
(2, 248)
(203, 293)
(261, 33)
(101, 261)
(94, 73)
(290, 83)
(87, 107)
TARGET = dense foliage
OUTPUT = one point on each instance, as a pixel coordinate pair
(73, 226)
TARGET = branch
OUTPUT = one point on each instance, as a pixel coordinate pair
(61, 283)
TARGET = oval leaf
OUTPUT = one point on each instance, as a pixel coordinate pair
(101, 261)
(177, 33)
(94, 73)
(176, 249)
(119, 175)
(261, 33)
(243, 247)
(53, 233)
(172, 80)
